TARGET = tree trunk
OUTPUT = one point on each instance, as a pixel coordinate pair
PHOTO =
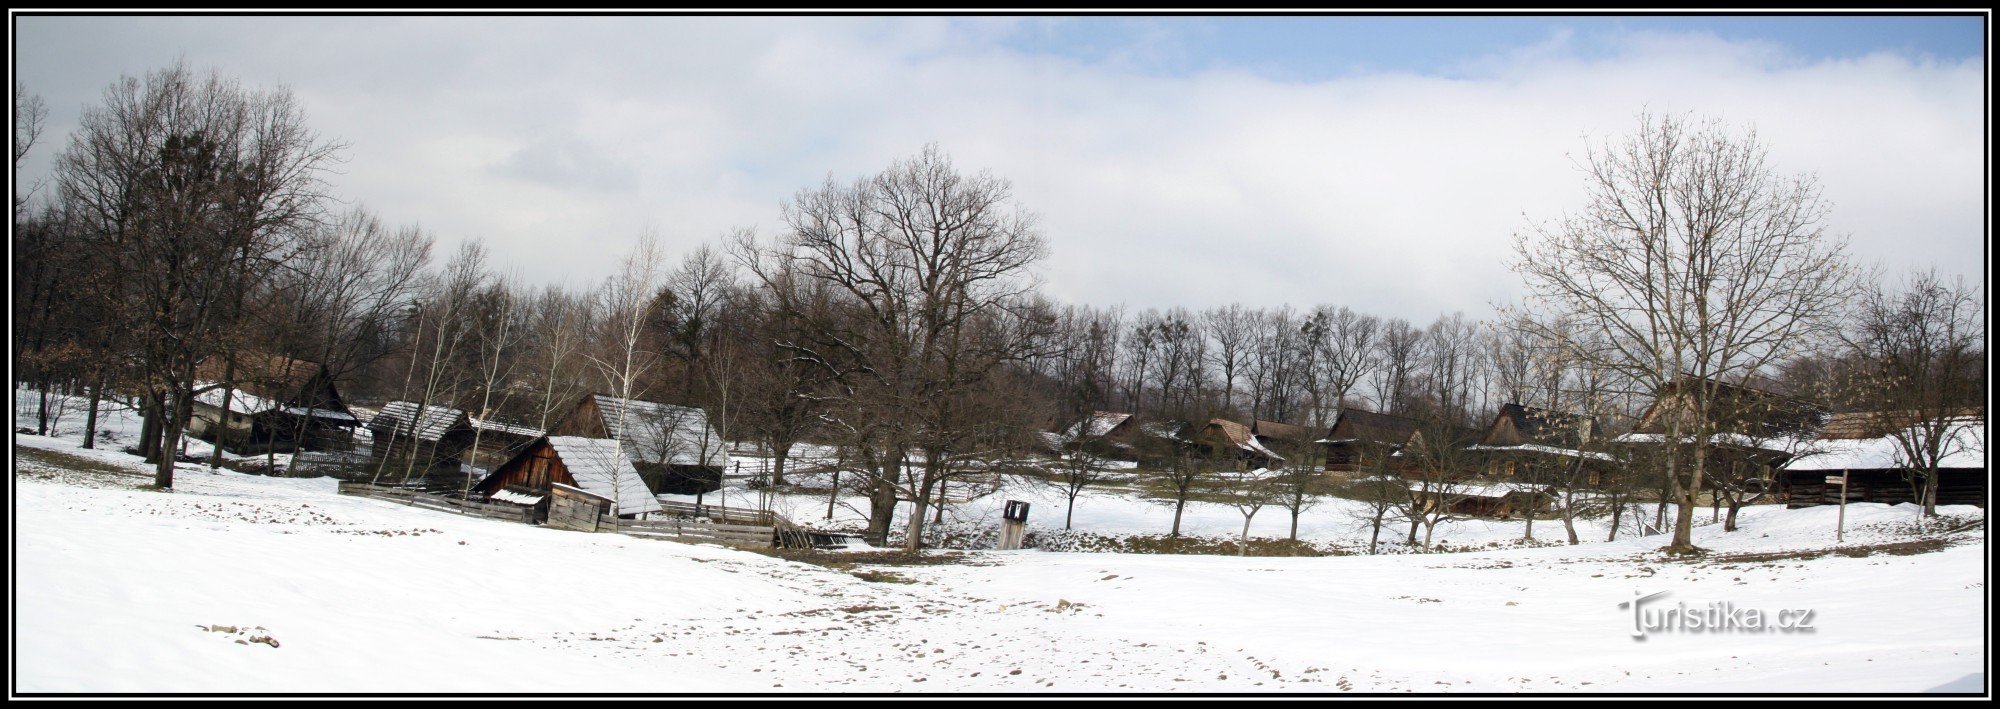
(1179, 504)
(778, 456)
(1375, 538)
(1069, 515)
(1729, 525)
(90, 418)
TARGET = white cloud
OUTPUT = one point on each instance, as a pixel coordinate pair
(559, 140)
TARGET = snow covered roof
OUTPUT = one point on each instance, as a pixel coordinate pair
(436, 421)
(664, 433)
(601, 467)
(240, 401)
(498, 427)
(515, 497)
(1964, 447)
(1774, 444)
(1549, 450)
(1484, 489)
(1099, 423)
(329, 414)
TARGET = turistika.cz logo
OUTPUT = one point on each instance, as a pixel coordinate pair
(1714, 617)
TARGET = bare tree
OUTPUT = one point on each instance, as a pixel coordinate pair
(1230, 328)
(1691, 257)
(627, 301)
(1921, 356)
(188, 186)
(931, 273)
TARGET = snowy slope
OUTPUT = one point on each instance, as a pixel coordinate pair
(119, 589)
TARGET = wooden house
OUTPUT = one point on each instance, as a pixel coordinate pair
(437, 437)
(1360, 438)
(1757, 430)
(1529, 444)
(1498, 500)
(1223, 439)
(599, 466)
(277, 403)
(674, 447)
(1864, 446)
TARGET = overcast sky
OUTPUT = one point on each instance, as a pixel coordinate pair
(1380, 163)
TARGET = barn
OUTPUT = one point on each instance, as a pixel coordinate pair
(596, 465)
(437, 437)
(277, 404)
(674, 447)
(1877, 469)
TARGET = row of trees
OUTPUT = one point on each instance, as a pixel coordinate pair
(898, 316)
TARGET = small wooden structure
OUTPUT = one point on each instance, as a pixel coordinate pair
(435, 436)
(595, 465)
(674, 447)
(277, 404)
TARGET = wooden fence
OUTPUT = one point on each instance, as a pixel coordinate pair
(574, 509)
(692, 530)
(415, 498)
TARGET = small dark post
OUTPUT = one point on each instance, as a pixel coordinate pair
(1013, 524)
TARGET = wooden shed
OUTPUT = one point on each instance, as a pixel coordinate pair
(674, 447)
(437, 437)
(597, 465)
(277, 403)
(1758, 430)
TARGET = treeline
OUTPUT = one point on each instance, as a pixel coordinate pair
(897, 316)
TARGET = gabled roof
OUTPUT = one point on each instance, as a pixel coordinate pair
(1539, 426)
(491, 426)
(1358, 425)
(1239, 436)
(663, 433)
(1280, 431)
(437, 421)
(1098, 425)
(1875, 424)
(600, 466)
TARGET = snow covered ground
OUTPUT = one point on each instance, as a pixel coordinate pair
(239, 583)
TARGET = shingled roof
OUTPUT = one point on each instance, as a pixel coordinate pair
(436, 421)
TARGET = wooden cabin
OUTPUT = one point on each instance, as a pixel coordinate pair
(277, 404)
(674, 447)
(596, 465)
(1530, 444)
(1360, 438)
(1864, 446)
(436, 437)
